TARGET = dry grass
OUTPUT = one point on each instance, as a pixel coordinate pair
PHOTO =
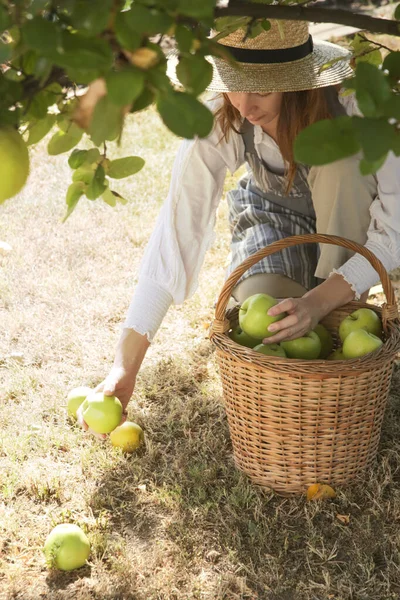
(175, 521)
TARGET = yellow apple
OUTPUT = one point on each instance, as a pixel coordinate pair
(127, 436)
(75, 399)
(102, 413)
(241, 337)
(359, 343)
(14, 162)
(66, 547)
(270, 350)
(308, 346)
(363, 318)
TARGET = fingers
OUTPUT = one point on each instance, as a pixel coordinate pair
(286, 305)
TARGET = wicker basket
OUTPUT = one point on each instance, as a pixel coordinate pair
(297, 422)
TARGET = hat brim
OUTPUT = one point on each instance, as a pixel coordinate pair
(303, 74)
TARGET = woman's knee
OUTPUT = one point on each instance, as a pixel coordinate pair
(274, 284)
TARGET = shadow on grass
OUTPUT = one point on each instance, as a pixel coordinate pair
(182, 508)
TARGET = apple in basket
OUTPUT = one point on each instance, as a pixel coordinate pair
(270, 350)
(326, 340)
(307, 346)
(359, 343)
(253, 317)
(241, 337)
(363, 318)
(336, 354)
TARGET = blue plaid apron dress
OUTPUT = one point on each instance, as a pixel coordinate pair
(260, 212)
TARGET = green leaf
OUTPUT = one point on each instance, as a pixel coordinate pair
(106, 122)
(79, 51)
(266, 25)
(195, 73)
(397, 13)
(365, 51)
(392, 64)
(40, 129)
(146, 98)
(74, 193)
(109, 198)
(77, 158)
(124, 86)
(5, 20)
(84, 173)
(197, 10)
(62, 142)
(124, 167)
(372, 90)
(148, 21)
(92, 156)
(90, 17)
(184, 115)
(42, 35)
(126, 36)
(83, 76)
(119, 198)
(97, 186)
(391, 107)
(43, 99)
(375, 136)
(184, 37)
(5, 52)
(369, 168)
(326, 141)
(396, 143)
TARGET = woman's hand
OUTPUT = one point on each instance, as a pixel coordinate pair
(302, 317)
(120, 381)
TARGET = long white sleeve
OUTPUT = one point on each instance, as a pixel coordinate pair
(184, 230)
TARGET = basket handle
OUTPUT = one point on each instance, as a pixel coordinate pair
(389, 309)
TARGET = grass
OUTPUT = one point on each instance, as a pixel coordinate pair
(175, 520)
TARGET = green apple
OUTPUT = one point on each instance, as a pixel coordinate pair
(241, 337)
(253, 317)
(102, 413)
(336, 354)
(308, 346)
(362, 318)
(270, 350)
(127, 436)
(359, 343)
(66, 547)
(75, 399)
(326, 340)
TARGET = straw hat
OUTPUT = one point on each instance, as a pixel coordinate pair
(283, 59)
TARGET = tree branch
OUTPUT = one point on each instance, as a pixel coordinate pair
(316, 15)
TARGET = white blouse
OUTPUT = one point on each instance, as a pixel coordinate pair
(184, 230)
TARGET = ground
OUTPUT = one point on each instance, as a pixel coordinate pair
(176, 520)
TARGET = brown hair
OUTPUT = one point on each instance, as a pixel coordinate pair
(298, 111)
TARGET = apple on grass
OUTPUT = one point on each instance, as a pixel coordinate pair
(326, 340)
(359, 343)
(102, 413)
(270, 350)
(75, 398)
(336, 354)
(66, 547)
(362, 318)
(127, 436)
(307, 346)
(241, 337)
(253, 317)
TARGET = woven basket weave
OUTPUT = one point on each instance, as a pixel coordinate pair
(297, 422)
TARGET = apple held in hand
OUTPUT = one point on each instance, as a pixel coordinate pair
(359, 343)
(127, 436)
(326, 340)
(66, 547)
(308, 346)
(270, 350)
(75, 399)
(336, 355)
(363, 318)
(241, 337)
(253, 317)
(102, 413)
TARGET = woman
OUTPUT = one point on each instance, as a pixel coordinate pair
(278, 90)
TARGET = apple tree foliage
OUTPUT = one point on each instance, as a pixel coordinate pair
(76, 68)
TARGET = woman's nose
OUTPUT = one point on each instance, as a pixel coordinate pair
(247, 105)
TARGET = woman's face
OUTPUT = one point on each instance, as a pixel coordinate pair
(259, 109)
